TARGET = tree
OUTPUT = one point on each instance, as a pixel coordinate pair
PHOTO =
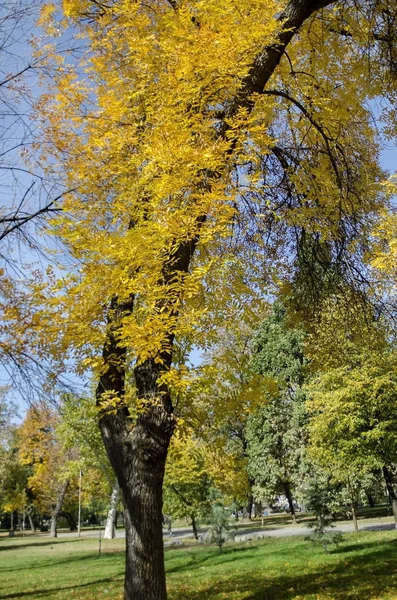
(219, 525)
(182, 162)
(28, 197)
(353, 421)
(276, 431)
(228, 392)
(78, 433)
(39, 448)
(321, 499)
(15, 496)
(187, 484)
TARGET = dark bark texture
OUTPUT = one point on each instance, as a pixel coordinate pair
(138, 451)
(250, 504)
(290, 500)
(194, 527)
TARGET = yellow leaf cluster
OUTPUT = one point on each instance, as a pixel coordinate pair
(143, 130)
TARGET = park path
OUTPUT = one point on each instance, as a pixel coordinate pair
(248, 532)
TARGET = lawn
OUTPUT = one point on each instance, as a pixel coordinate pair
(363, 567)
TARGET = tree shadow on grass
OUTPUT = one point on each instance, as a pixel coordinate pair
(228, 555)
(49, 563)
(12, 546)
(380, 527)
(50, 591)
(213, 557)
(357, 547)
(365, 577)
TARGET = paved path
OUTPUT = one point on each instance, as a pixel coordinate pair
(244, 533)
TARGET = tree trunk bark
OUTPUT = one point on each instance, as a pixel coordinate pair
(110, 529)
(250, 504)
(138, 456)
(370, 499)
(194, 527)
(57, 508)
(290, 500)
(354, 517)
(258, 509)
(32, 527)
(392, 494)
(353, 506)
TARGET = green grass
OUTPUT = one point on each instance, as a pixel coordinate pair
(363, 567)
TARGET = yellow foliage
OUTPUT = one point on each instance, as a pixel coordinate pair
(142, 129)
(185, 460)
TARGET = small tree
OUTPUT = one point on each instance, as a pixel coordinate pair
(321, 496)
(220, 526)
(187, 484)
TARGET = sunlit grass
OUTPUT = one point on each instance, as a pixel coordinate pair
(363, 567)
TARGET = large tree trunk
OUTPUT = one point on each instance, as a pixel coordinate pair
(290, 500)
(110, 529)
(57, 508)
(138, 450)
(250, 504)
(30, 518)
(138, 457)
(194, 527)
(390, 490)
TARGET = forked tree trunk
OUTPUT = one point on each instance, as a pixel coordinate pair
(57, 508)
(138, 456)
(138, 451)
(110, 529)
(392, 494)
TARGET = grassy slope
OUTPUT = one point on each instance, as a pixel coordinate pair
(364, 567)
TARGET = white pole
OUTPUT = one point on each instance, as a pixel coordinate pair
(79, 520)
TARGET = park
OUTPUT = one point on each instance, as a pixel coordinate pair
(363, 566)
(198, 275)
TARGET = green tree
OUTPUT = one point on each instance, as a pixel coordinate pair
(230, 392)
(353, 420)
(276, 431)
(79, 435)
(187, 485)
(220, 526)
